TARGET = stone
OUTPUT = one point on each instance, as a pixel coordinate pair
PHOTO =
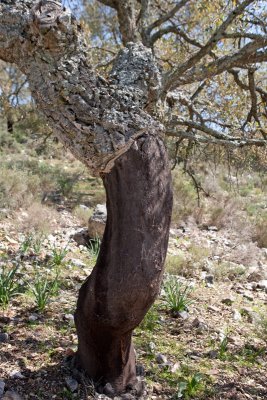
(11, 395)
(16, 375)
(70, 319)
(140, 370)
(209, 279)
(213, 309)
(157, 388)
(33, 317)
(108, 390)
(127, 396)
(4, 337)
(151, 346)
(228, 301)
(262, 284)
(77, 263)
(97, 222)
(212, 228)
(200, 325)
(256, 274)
(175, 367)
(161, 359)
(71, 383)
(237, 316)
(2, 387)
(81, 237)
(183, 314)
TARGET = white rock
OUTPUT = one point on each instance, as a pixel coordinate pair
(16, 375)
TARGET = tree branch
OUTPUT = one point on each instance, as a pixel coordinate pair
(212, 42)
(173, 29)
(166, 17)
(250, 53)
(238, 142)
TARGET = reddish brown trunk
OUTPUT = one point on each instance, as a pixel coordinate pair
(128, 272)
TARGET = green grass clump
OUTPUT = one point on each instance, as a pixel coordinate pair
(190, 386)
(176, 295)
(43, 289)
(9, 286)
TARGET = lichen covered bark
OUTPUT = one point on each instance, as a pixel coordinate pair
(96, 119)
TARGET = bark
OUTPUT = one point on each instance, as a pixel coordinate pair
(105, 125)
(127, 276)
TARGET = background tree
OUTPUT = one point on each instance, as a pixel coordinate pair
(178, 70)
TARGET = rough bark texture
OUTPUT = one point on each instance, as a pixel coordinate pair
(127, 276)
(96, 119)
(105, 125)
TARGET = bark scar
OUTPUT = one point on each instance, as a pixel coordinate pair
(110, 163)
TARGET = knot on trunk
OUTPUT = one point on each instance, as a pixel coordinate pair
(52, 25)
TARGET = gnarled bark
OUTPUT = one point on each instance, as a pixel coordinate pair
(104, 124)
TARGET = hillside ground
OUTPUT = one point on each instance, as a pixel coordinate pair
(205, 337)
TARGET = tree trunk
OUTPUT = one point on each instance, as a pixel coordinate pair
(105, 123)
(128, 272)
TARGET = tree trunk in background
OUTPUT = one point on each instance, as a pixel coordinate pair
(128, 272)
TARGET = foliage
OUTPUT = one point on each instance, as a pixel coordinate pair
(94, 247)
(58, 255)
(189, 387)
(176, 295)
(43, 289)
(9, 286)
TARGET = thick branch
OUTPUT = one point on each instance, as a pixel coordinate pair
(96, 119)
(127, 18)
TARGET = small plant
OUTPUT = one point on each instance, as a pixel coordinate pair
(26, 244)
(151, 319)
(176, 295)
(43, 289)
(223, 348)
(58, 255)
(9, 286)
(37, 244)
(190, 386)
(94, 247)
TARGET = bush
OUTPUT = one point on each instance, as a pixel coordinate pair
(184, 197)
(17, 188)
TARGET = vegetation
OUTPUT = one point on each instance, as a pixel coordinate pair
(210, 60)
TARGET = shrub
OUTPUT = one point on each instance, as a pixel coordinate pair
(17, 188)
(176, 264)
(184, 197)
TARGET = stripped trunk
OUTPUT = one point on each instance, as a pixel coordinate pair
(127, 276)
